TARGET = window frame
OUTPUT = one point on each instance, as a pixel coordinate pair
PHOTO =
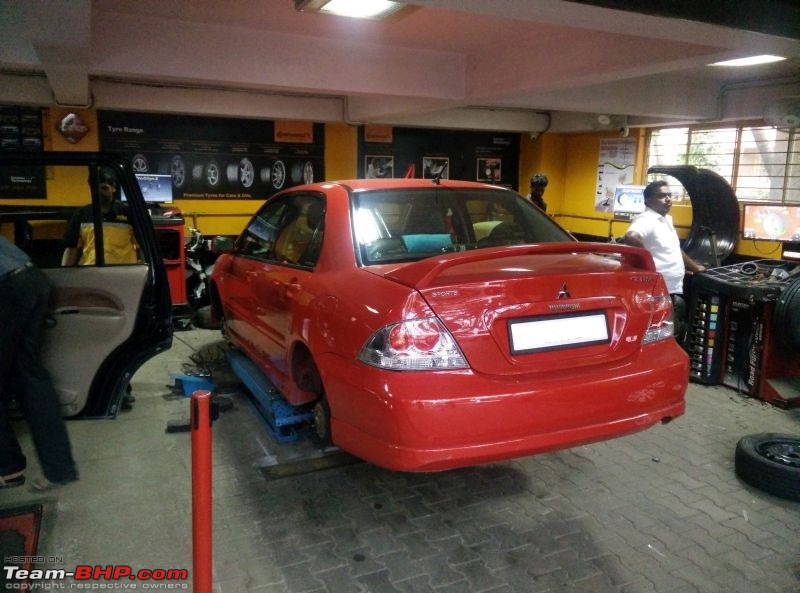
(276, 213)
(789, 187)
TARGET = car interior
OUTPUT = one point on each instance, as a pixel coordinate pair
(93, 307)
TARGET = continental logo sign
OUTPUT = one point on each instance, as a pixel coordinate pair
(377, 133)
(301, 132)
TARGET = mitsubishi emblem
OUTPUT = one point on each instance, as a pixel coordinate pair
(564, 293)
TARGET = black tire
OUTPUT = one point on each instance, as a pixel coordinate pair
(787, 316)
(322, 422)
(770, 462)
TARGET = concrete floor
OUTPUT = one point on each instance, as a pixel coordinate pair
(661, 511)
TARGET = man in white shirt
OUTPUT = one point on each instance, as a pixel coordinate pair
(653, 230)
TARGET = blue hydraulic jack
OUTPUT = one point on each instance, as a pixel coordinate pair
(285, 422)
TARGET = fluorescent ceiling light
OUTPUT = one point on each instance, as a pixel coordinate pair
(751, 61)
(363, 9)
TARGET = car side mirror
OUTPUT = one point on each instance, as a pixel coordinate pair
(221, 244)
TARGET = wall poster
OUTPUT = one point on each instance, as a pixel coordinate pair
(615, 167)
(490, 170)
(21, 131)
(378, 166)
(436, 167)
(491, 157)
(213, 157)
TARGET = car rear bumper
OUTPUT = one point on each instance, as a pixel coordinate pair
(431, 421)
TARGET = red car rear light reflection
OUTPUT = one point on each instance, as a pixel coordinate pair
(414, 345)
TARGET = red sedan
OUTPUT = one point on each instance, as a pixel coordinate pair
(439, 324)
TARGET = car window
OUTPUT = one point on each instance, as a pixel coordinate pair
(287, 230)
(78, 221)
(407, 225)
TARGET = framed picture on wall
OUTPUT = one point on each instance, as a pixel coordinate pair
(435, 167)
(378, 166)
(489, 170)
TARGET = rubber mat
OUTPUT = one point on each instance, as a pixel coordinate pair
(19, 540)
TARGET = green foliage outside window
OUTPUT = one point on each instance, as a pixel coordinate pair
(761, 163)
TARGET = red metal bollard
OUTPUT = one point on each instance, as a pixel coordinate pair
(201, 490)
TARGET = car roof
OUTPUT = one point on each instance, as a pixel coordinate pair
(367, 184)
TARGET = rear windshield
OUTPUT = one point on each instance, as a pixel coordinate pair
(411, 224)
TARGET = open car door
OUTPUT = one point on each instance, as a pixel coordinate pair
(110, 301)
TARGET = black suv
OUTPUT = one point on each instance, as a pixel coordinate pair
(109, 314)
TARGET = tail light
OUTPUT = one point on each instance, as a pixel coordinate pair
(415, 345)
(661, 326)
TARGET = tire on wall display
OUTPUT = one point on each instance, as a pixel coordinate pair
(212, 174)
(242, 172)
(278, 174)
(303, 173)
(770, 462)
(177, 169)
(264, 175)
(140, 164)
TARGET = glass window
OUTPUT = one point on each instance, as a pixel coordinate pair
(409, 225)
(288, 230)
(258, 239)
(760, 162)
(76, 219)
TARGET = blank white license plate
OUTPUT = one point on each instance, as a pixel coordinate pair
(558, 331)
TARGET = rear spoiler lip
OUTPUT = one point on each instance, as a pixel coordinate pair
(421, 274)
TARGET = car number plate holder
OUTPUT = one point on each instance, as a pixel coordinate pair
(555, 332)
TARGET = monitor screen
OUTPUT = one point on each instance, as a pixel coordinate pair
(771, 223)
(629, 199)
(155, 188)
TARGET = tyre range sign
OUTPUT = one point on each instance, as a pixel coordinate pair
(213, 158)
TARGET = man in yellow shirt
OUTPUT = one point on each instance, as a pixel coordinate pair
(119, 242)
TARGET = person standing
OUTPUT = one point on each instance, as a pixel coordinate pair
(119, 242)
(24, 296)
(538, 185)
(653, 230)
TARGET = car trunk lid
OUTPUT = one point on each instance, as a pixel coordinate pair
(538, 308)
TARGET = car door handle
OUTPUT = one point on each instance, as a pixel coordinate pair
(292, 289)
